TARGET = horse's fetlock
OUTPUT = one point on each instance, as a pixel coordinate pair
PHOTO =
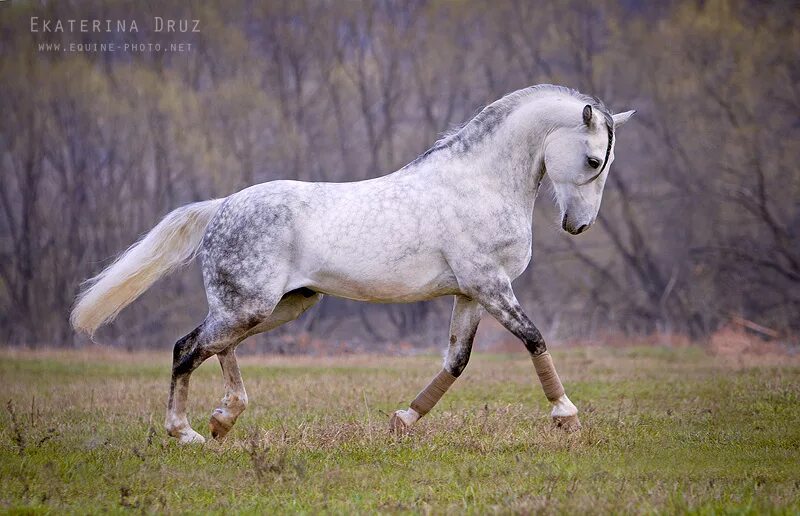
(237, 404)
(535, 347)
(173, 427)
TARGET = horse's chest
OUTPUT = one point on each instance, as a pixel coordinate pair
(500, 240)
(505, 247)
(513, 253)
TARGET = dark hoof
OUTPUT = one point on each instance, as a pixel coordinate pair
(567, 423)
(219, 429)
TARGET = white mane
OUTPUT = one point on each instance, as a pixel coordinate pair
(488, 119)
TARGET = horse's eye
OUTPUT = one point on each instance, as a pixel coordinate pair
(593, 162)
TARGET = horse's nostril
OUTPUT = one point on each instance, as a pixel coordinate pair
(582, 229)
(564, 222)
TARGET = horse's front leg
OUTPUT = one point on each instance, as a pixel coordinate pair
(500, 301)
(463, 325)
(234, 401)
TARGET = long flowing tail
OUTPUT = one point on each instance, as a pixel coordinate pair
(169, 245)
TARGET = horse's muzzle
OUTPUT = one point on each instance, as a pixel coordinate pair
(572, 230)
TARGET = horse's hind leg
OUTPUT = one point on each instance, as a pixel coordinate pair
(463, 325)
(234, 402)
(208, 339)
(235, 399)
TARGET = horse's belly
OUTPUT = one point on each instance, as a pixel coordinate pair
(404, 280)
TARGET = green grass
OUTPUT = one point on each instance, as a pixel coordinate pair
(665, 430)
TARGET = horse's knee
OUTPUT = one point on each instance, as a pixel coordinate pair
(457, 364)
(458, 354)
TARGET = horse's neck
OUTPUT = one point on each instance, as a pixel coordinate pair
(510, 163)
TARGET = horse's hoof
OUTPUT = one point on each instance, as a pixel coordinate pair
(397, 426)
(567, 423)
(189, 436)
(219, 428)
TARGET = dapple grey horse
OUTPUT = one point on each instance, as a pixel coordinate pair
(456, 221)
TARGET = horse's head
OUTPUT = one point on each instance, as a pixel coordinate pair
(577, 159)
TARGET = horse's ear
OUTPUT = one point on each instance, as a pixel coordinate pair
(587, 114)
(621, 118)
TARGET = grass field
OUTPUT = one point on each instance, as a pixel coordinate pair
(667, 430)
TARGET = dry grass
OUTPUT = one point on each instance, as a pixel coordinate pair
(664, 430)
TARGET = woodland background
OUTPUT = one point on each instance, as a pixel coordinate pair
(698, 224)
